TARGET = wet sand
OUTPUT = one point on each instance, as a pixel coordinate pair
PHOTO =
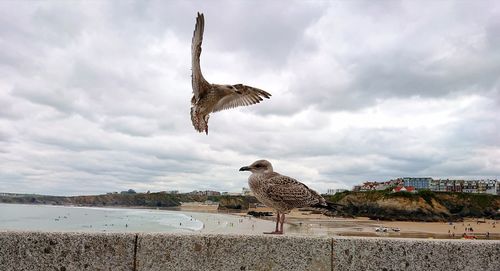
(307, 223)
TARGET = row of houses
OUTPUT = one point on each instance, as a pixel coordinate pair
(334, 191)
(466, 186)
(205, 193)
(485, 186)
(371, 186)
(245, 192)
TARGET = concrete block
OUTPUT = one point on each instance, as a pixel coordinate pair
(351, 253)
(130, 251)
(230, 252)
(66, 251)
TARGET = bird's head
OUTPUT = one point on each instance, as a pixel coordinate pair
(260, 166)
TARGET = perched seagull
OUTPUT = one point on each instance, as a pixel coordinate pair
(208, 98)
(282, 193)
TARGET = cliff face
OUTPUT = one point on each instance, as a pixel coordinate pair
(137, 200)
(423, 206)
(148, 200)
(235, 202)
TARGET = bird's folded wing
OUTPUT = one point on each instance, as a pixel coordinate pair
(291, 192)
(243, 95)
(199, 83)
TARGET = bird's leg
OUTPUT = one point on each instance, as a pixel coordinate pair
(277, 221)
(282, 220)
(276, 231)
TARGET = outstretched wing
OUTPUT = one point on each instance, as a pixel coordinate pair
(292, 192)
(198, 82)
(240, 95)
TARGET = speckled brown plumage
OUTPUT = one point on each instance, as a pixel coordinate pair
(280, 192)
(208, 98)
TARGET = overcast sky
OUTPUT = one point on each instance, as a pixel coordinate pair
(95, 96)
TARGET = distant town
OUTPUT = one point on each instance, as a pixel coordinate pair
(412, 184)
(404, 184)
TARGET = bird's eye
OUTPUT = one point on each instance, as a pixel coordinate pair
(258, 165)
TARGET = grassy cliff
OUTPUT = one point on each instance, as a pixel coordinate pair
(236, 202)
(422, 206)
(135, 200)
(132, 200)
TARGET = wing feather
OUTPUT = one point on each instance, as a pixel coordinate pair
(292, 192)
(241, 95)
(198, 83)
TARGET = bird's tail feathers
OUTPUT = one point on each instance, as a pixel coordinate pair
(200, 124)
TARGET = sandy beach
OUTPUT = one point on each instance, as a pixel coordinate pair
(307, 223)
(195, 218)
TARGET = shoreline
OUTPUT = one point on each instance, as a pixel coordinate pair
(308, 223)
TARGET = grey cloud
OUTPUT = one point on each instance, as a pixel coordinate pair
(54, 98)
(131, 126)
(4, 136)
(59, 24)
(233, 26)
(409, 65)
(97, 93)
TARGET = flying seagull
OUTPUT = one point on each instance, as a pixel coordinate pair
(208, 98)
(282, 193)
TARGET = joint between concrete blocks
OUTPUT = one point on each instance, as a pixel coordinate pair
(135, 251)
(331, 253)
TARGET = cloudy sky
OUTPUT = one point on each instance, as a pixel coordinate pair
(95, 96)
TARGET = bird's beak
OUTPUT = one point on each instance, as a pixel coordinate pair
(244, 168)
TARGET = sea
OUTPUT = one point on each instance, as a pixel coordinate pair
(94, 219)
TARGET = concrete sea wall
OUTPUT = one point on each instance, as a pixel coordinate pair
(130, 251)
